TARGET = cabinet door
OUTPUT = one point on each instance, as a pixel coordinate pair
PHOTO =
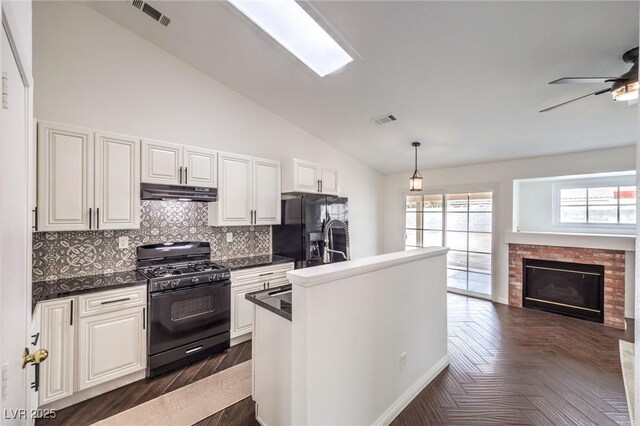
(56, 372)
(234, 191)
(329, 181)
(65, 177)
(242, 309)
(305, 176)
(117, 181)
(110, 346)
(161, 162)
(200, 167)
(266, 192)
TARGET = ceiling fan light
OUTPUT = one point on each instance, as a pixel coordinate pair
(625, 92)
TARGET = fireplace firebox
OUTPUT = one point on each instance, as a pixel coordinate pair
(572, 289)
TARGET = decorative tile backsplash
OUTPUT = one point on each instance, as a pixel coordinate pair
(70, 254)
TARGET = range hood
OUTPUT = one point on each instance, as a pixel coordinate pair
(152, 191)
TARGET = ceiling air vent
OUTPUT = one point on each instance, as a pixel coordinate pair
(151, 11)
(384, 119)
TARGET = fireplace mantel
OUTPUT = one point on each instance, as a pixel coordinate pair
(591, 241)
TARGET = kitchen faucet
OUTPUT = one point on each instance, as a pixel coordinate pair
(327, 227)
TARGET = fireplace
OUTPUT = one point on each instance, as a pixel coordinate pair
(573, 289)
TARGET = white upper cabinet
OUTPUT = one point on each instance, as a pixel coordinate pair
(173, 164)
(266, 192)
(234, 192)
(65, 178)
(329, 181)
(117, 181)
(161, 162)
(200, 167)
(307, 176)
(87, 180)
(248, 192)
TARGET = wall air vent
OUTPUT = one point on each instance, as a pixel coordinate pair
(384, 119)
(152, 12)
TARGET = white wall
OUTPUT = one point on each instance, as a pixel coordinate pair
(351, 324)
(499, 176)
(534, 205)
(92, 72)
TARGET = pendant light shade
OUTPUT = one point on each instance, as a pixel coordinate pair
(415, 182)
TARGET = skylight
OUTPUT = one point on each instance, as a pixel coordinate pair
(293, 28)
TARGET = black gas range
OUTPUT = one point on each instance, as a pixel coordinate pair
(189, 304)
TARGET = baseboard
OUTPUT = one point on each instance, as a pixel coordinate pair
(400, 404)
(240, 339)
(96, 390)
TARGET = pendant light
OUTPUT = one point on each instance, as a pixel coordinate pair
(415, 183)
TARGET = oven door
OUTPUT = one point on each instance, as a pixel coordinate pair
(183, 316)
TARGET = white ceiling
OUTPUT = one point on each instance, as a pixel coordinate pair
(465, 78)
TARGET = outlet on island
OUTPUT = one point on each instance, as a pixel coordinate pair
(123, 242)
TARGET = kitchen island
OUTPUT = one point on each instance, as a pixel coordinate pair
(350, 343)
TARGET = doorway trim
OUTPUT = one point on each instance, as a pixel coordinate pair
(8, 24)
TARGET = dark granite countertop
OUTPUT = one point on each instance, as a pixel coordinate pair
(253, 261)
(55, 289)
(276, 300)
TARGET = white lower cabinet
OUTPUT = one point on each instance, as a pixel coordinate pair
(247, 281)
(57, 336)
(242, 309)
(110, 346)
(93, 339)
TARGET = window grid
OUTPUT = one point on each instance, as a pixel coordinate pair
(419, 229)
(588, 204)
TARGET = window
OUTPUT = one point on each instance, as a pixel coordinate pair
(462, 222)
(597, 205)
(424, 220)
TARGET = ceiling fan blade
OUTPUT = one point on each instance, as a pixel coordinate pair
(599, 92)
(591, 80)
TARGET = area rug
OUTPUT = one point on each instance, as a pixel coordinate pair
(190, 404)
(627, 362)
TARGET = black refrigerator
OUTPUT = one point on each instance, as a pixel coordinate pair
(300, 234)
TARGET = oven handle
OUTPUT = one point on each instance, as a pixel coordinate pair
(185, 289)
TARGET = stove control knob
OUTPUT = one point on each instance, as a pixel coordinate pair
(195, 280)
(212, 277)
(175, 283)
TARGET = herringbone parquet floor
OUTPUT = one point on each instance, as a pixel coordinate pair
(508, 366)
(520, 366)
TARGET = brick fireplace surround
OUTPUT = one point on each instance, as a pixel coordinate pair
(612, 260)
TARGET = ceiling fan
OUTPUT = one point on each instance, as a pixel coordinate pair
(624, 88)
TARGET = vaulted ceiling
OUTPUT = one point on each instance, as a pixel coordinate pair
(467, 79)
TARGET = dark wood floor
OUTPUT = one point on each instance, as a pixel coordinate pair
(520, 366)
(508, 366)
(116, 401)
